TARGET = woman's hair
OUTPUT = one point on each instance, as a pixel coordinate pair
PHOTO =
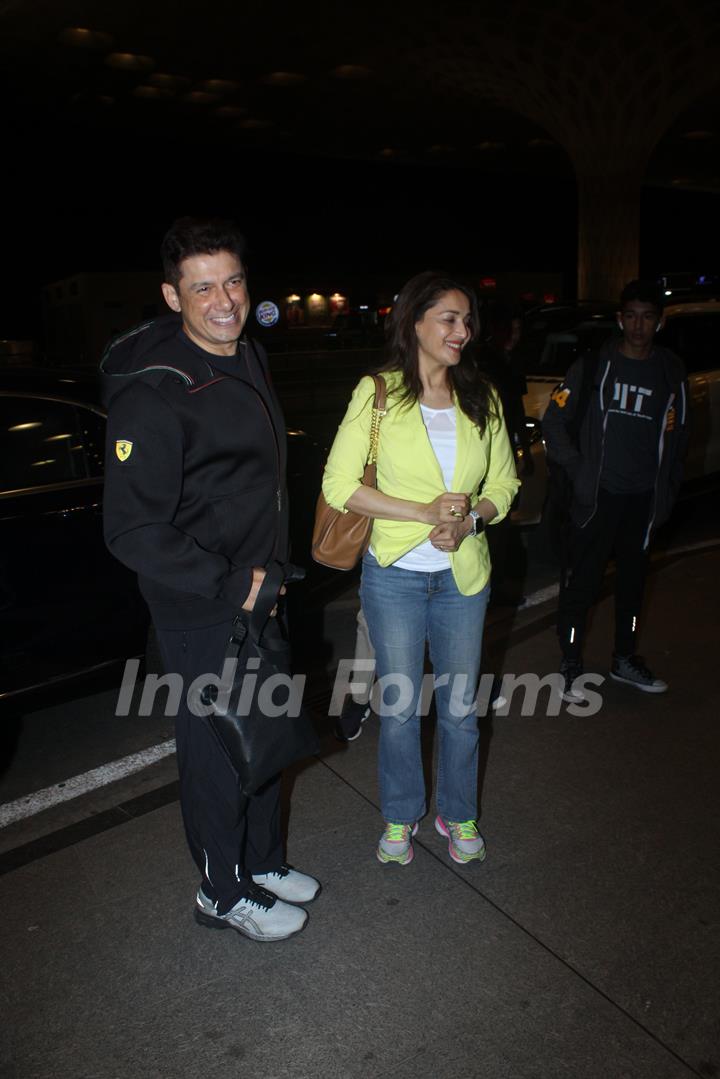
(414, 299)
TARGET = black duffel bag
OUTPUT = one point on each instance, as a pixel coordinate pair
(260, 735)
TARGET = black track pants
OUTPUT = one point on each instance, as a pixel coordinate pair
(619, 525)
(230, 835)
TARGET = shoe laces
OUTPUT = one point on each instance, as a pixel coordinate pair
(396, 833)
(638, 664)
(282, 871)
(256, 896)
(465, 829)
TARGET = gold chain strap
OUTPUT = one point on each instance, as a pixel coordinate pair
(377, 415)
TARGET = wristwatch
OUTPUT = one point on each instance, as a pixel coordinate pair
(478, 523)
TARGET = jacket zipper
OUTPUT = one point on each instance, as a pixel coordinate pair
(661, 448)
(278, 489)
(601, 394)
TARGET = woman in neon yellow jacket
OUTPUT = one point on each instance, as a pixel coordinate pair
(445, 470)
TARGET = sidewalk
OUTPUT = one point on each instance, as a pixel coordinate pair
(585, 947)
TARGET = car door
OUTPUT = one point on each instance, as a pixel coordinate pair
(694, 335)
(65, 604)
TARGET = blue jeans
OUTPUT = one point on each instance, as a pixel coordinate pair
(404, 609)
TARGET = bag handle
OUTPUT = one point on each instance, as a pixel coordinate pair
(254, 622)
(378, 411)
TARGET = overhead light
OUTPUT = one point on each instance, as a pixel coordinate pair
(37, 464)
(82, 38)
(57, 438)
(293, 298)
(351, 71)
(220, 86)
(151, 93)
(25, 426)
(537, 143)
(283, 78)
(200, 97)
(129, 61)
(668, 292)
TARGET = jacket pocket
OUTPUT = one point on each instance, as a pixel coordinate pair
(245, 523)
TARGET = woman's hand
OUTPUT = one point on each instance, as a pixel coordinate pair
(449, 537)
(447, 508)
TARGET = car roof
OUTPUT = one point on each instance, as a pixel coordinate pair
(77, 385)
(703, 307)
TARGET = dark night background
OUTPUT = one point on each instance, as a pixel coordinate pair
(78, 209)
(94, 174)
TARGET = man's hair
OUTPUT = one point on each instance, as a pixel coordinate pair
(188, 236)
(644, 292)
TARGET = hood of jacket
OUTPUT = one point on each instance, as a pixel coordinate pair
(150, 351)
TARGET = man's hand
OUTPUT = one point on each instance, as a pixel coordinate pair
(449, 537)
(258, 578)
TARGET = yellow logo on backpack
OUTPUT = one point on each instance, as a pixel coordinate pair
(559, 396)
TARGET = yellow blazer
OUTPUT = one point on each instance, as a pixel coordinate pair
(408, 468)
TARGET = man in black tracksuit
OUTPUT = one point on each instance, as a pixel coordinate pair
(623, 459)
(195, 503)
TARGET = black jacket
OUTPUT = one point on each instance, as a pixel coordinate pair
(195, 471)
(582, 457)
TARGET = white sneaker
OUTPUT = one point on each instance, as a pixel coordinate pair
(571, 671)
(634, 671)
(289, 885)
(257, 915)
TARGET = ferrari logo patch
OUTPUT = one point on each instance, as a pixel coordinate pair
(560, 396)
(123, 449)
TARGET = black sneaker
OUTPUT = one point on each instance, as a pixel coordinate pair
(349, 723)
(571, 670)
(633, 671)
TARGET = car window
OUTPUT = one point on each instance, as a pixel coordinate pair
(41, 442)
(556, 352)
(92, 429)
(695, 339)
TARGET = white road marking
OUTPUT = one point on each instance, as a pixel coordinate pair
(82, 784)
(541, 596)
(689, 547)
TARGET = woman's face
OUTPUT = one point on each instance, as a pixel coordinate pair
(443, 331)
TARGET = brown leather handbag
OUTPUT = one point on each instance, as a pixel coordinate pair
(341, 539)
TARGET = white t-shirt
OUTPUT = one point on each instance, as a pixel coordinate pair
(440, 424)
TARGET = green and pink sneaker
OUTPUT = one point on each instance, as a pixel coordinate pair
(396, 843)
(465, 844)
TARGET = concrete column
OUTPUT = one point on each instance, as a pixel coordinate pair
(608, 232)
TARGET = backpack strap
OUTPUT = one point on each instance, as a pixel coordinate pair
(590, 366)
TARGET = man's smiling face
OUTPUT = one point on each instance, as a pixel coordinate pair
(213, 300)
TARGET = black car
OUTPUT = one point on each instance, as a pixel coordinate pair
(66, 605)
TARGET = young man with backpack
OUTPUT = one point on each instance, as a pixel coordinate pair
(617, 427)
